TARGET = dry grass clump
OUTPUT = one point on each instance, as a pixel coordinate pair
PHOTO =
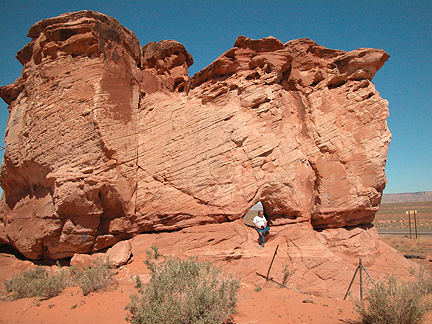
(183, 291)
(99, 276)
(393, 301)
(39, 282)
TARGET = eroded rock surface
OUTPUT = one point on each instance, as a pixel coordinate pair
(321, 263)
(107, 139)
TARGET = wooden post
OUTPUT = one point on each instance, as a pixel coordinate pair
(268, 272)
(414, 213)
(409, 221)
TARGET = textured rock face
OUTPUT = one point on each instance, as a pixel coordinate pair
(106, 139)
(321, 262)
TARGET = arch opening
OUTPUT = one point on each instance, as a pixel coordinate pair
(252, 212)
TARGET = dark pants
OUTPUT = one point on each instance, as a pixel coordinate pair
(262, 232)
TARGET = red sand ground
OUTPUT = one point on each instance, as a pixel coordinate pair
(269, 305)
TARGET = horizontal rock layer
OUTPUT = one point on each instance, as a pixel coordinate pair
(106, 139)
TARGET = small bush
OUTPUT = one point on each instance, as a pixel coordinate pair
(424, 281)
(36, 282)
(184, 292)
(393, 301)
(138, 284)
(97, 277)
(156, 252)
(287, 274)
(39, 282)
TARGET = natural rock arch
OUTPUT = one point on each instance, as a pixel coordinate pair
(107, 139)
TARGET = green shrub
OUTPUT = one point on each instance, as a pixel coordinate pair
(156, 252)
(393, 301)
(424, 281)
(287, 274)
(36, 282)
(39, 282)
(97, 277)
(138, 284)
(184, 291)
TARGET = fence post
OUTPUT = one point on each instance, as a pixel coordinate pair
(409, 221)
(352, 280)
(361, 279)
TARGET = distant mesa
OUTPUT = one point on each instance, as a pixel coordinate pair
(407, 197)
(107, 139)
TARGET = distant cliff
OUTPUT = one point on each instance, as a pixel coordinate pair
(407, 197)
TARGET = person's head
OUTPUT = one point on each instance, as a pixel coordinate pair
(260, 213)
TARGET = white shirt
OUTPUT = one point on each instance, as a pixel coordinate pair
(260, 221)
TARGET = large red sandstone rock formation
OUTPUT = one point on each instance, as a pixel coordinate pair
(107, 139)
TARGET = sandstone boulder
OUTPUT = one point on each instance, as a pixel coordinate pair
(84, 261)
(106, 139)
(119, 254)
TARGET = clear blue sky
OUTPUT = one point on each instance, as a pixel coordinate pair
(209, 28)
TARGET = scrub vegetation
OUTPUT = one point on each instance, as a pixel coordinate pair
(182, 291)
(397, 302)
(43, 283)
